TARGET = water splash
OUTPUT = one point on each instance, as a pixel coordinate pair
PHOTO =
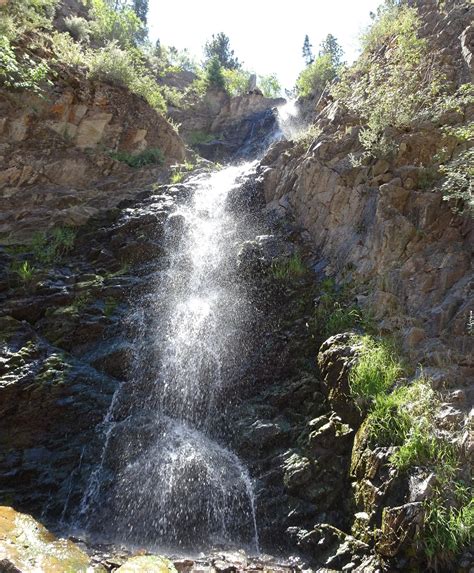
(165, 479)
(289, 120)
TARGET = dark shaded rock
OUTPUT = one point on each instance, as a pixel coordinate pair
(336, 357)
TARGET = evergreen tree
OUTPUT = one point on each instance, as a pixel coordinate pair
(140, 7)
(219, 47)
(214, 76)
(307, 51)
(331, 47)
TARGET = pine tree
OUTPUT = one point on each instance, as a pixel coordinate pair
(219, 47)
(331, 47)
(214, 76)
(307, 51)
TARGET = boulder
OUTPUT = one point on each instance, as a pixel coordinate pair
(27, 546)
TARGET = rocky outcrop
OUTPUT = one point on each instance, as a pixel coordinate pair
(56, 154)
(378, 226)
(221, 127)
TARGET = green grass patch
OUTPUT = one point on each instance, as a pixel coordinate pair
(448, 528)
(197, 137)
(290, 268)
(151, 156)
(376, 371)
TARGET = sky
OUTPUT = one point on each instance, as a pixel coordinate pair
(267, 37)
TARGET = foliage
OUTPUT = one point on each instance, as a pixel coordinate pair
(118, 66)
(197, 137)
(67, 51)
(21, 72)
(334, 312)
(315, 77)
(307, 51)
(376, 371)
(179, 171)
(305, 138)
(457, 185)
(24, 271)
(121, 26)
(270, 85)
(236, 81)
(140, 7)
(331, 47)
(20, 16)
(147, 157)
(51, 246)
(448, 527)
(292, 267)
(393, 87)
(214, 76)
(78, 28)
(219, 47)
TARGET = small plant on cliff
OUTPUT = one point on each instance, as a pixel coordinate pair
(50, 247)
(315, 77)
(179, 171)
(21, 72)
(24, 271)
(457, 185)
(448, 527)
(78, 28)
(151, 156)
(376, 371)
(335, 311)
(119, 24)
(293, 267)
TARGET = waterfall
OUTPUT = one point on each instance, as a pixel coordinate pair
(166, 478)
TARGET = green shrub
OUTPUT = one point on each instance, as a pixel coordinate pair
(20, 16)
(21, 72)
(121, 26)
(67, 51)
(236, 81)
(77, 27)
(457, 185)
(306, 137)
(334, 312)
(286, 269)
(270, 86)
(118, 66)
(197, 137)
(393, 90)
(315, 77)
(376, 371)
(50, 247)
(148, 157)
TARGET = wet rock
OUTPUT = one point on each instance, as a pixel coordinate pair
(147, 564)
(399, 526)
(336, 357)
(297, 471)
(26, 546)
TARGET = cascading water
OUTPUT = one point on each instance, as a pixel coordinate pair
(166, 478)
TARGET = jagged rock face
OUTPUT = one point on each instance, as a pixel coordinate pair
(55, 154)
(376, 225)
(235, 126)
(59, 370)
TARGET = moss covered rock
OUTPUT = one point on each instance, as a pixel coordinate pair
(27, 546)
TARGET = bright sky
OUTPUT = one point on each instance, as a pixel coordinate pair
(265, 35)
